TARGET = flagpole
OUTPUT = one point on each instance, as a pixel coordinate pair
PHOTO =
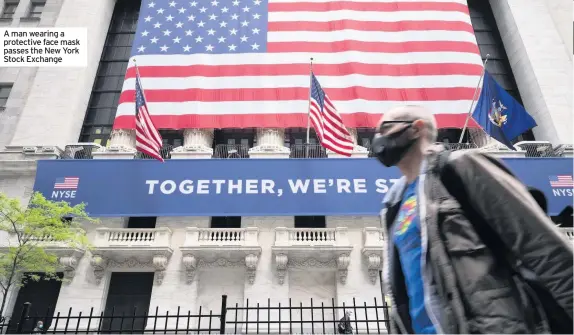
(309, 106)
(138, 77)
(474, 98)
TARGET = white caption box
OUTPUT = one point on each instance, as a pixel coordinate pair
(44, 47)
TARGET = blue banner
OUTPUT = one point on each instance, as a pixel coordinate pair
(253, 187)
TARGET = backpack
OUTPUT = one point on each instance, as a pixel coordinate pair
(535, 293)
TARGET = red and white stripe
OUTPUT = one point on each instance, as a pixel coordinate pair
(370, 56)
(563, 181)
(330, 128)
(69, 183)
(148, 139)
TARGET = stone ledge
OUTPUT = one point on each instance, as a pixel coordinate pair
(17, 167)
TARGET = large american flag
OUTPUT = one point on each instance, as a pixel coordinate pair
(148, 138)
(328, 124)
(245, 63)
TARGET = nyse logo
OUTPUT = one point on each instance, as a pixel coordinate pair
(562, 192)
(63, 194)
(65, 188)
(561, 185)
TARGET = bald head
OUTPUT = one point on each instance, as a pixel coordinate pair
(413, 113)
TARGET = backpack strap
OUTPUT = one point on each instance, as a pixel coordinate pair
(440, 189)
(444, 156)
(442, 160)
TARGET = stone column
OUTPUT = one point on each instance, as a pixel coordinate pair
(361, 287)
(56, 105)
(197, 143)
(122, 145)
(539, 59)
(167, 297)
(358, 151)
(81, 293)
(266, 284)
(270, 144)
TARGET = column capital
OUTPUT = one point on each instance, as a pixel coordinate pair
(122, 145)
(270, 144)
(197, 143)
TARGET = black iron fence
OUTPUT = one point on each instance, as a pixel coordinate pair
(253, 318)
(308, 318)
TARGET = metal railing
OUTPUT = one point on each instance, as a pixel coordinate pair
(308, 318)
(537, 149)
(307, 151)
(458, 146)
(560, 149)
(448, 146)
(112, 322)
(312, 317)
(530, 148)
(80, 151)
(231, 151)
(165, 152)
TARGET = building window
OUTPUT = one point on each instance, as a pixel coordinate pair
(226, 222)
(111, 72)
(298, 136)
(310, 222)
(5, 90)
(36, 9)
(142, 222)
(9, 10)
(231, 136)
(172, 138)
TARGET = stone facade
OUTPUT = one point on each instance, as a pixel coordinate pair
(533, 32)
(301, 278)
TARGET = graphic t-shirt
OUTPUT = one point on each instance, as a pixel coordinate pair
(407, 239)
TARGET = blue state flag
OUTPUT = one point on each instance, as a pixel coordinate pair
(499, 114)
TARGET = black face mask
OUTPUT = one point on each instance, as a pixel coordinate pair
(390, 149)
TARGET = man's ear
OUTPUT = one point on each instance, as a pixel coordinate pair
(418, 126)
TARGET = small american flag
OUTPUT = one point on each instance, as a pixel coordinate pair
(148, 139)
(561, 181)
(328, 124)
(66, 183)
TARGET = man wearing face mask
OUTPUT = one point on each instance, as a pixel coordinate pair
(468, 248)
